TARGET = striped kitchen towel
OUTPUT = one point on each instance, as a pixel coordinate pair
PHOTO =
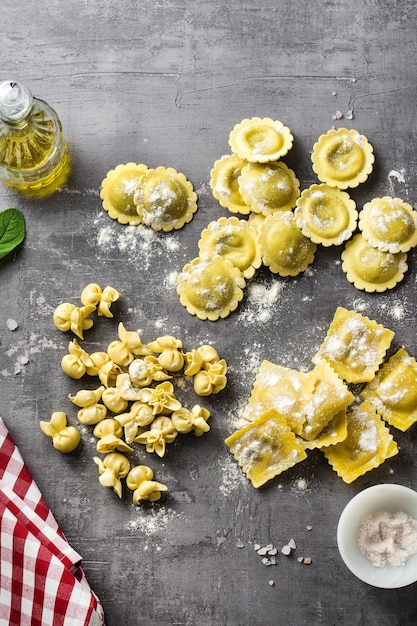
(41, 579)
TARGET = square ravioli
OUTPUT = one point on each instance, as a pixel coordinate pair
(280, 388)
(265, 448)
(355, 346)
(335, 431)
(393, 391)
(368, 444)
(329, 396)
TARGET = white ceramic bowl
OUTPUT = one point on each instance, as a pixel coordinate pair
(386, 497)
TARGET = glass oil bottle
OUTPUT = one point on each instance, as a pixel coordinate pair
(33, 154)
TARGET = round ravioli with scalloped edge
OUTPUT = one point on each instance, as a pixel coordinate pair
(269, 187)
(284, 248)
(210, 288)
(389, 224)
(165, 199)
(224, 183)
(326, 215)
(371, 269)
(260, 140)
(342, 158)
(232, 239)
(118, 189)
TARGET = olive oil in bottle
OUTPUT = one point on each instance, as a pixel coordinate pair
(33, 154)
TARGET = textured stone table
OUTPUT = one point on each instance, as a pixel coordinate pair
(163, 83)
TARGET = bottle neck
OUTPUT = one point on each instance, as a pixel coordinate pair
(16, 103)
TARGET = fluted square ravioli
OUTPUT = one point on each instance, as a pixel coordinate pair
(368, 444)
(329, 396)
(393, 391)
(265, 448)
(355, 346)
(281, 388)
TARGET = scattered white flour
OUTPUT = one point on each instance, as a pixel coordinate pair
(43, 307)
(261, 302)
(153, 520)
(21, 351)
(140, 244)
(232, 475)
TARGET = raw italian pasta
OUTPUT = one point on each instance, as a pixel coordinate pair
(368, 444)
(117, 192)
(289, 411)
(326, 215)
(260, 139)
(284, 248)
(393, 391)
(342, 158)
(354, 346)
(372, 269)
(389, 224)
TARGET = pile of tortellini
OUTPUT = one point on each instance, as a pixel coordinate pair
(135, 402)
(284, 226)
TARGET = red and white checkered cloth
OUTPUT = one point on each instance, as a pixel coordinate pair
(41, 581)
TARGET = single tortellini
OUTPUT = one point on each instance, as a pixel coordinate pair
(161, 432)
(129, 345)
(140, 481)
(87, 397)
(161, 398)
(92, 414)
(108, 426)
(110, 443)
(103, 367)
(186, 421)
(114, 400)
(143, 371)
(165, 199)
(212, 379)
(76, 363)
(70, 317)
(139, 416)
(210, 288)
(93, 294)
(232, 239)
(64, 438)
(112, 469)
(169, 349)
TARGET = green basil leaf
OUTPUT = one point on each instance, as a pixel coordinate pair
(12, 230)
